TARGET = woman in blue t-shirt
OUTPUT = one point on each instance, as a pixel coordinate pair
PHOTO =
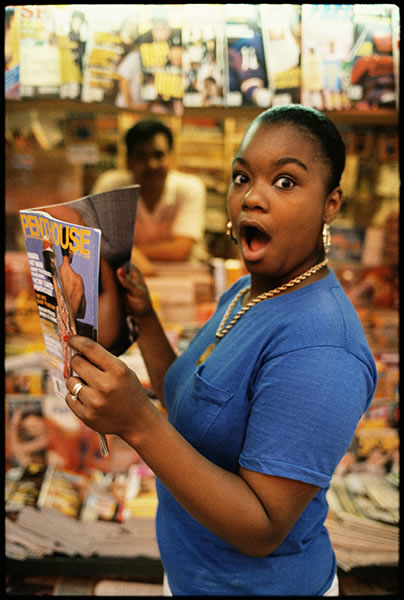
(264, 403)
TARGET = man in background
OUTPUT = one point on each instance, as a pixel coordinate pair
(171, 209)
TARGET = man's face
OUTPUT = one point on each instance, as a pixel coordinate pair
(150, 162)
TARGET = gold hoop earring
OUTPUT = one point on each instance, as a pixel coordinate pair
(326, 238)
(229, 232)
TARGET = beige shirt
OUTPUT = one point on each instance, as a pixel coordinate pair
(180, 211)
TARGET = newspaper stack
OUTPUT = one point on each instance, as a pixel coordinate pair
(363, 520)
(37, 533)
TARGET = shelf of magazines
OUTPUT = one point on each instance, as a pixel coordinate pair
(370, 116)
(364, 494)
(363, 520)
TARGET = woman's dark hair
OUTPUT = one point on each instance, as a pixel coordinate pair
(144, 131)
(318, 126)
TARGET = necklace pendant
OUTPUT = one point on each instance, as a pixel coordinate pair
(206, 353)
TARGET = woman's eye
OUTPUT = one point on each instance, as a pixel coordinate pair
(285, 183)
(239, 178)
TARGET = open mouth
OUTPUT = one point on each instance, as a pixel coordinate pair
(253, 240)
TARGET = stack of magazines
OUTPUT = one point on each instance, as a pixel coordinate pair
(363, 520)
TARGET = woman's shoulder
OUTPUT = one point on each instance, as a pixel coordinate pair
(181, 180)
(230, 292)
(323, 315)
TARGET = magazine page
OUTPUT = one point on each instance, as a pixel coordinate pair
(113, 213)
(203, 58)
(11, 52)
(246, 73)
(281, 34)
(64, 263)
(26, 436)
(396, 29)
(64, 491)
(129, 66)
(39, 52)
(73, 252)
(111, 69)
(160, 48)
(372, 82)
(327, 40)
(23, 485)
(72, 36)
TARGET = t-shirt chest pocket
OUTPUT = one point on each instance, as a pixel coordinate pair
(200, 409)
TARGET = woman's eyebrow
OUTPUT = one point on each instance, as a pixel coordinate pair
(277, 163)
(290, 159)
(241, 160)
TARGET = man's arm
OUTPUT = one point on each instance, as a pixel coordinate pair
(175, 249)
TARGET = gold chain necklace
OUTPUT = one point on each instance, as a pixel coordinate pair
(223, 328)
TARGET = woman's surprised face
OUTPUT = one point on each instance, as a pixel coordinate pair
(277, 200)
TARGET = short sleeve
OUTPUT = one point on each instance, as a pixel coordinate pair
(112, 179)
(190, 218)
(305, 407)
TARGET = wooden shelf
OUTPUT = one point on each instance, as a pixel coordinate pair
(374, 117)
(193, 162)
(205, 139)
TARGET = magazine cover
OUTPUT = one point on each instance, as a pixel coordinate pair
(160, 47)
(64, 491)
(375, 447)
(327, 41)
(73, 269)
(11, 52)
(281, 34)
(64, 263)
(41, 429)
(72, 36)
(108, 495)
(111, 33)
(396, 24)
(26, 436)
(129, 66)
(372, 73)
(203, 58)
(246, 78)
(23, 485)
(39, 52)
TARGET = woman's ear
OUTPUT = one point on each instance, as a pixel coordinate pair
(333, 204)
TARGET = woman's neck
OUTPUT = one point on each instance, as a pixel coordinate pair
(260, 285)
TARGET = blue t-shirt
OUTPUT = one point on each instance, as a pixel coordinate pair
(282, 394)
